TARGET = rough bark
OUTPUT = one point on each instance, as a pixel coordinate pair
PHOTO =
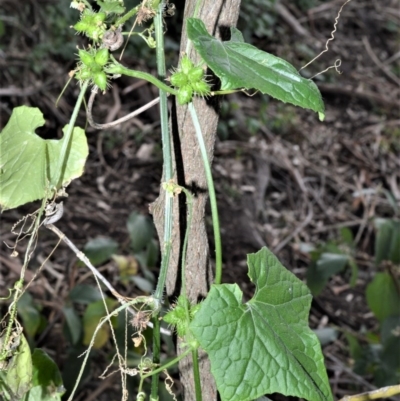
(218, 16)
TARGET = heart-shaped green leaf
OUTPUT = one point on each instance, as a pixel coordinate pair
(241, 65)
(265, 345)
(28, 163)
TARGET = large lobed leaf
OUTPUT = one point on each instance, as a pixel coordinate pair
(241, 65)
(28, 163)
(265, 345)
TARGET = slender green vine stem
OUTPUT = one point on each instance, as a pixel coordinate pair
(166, 146)
(168, 365)
(189, 203)
(62, 161)
(167, 168)
(196, 374)
(211, 191)
(127, 16)
(156, 355)
(117, 68)
(20, 283)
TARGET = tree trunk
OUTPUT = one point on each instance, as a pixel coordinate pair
(218, 16)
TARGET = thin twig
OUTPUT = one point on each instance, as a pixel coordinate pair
(297, 231)
(383, 392)
(81, 256)
(350, 372)
(120, 120)
(378, 62)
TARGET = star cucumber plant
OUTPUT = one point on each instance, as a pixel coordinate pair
(258, 347)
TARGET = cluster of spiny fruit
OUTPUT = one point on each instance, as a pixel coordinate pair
(189, 80)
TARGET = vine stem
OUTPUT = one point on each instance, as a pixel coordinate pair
(62, 161)
(195, 354)
(127, 16)
(196, 374)
(166, 366)
(211, 191)
(117, 68)
(18, 286)
(54, 184)
(167, 168)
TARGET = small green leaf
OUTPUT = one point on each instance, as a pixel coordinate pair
(143, 284)
(391, 343)
(354, 346)
(91, 318)
(19, 370)
(382, 296)
(46, 380)
(28, 162)
(2, 29)
(152, 253)
(347, 236)
(29, 314)
(84, 294)
(354, 272)
(100, 249)
(73, 324)
(320, 271)
(141, 231)
(265, 345)
(115, 7)
(387, 243)
(241, 65)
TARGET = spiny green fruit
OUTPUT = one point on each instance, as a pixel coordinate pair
(99, 17)
(94, 32)
(201, 88)
(86, 57)
(185, 94)
(177, 316)
(100, 79)
(101, 57)
(81, 26)
(179, 79)
(186, 65)
(83, 74)
(94, 67)
(196, 74)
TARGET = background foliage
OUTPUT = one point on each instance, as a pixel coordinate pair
(325, 197)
